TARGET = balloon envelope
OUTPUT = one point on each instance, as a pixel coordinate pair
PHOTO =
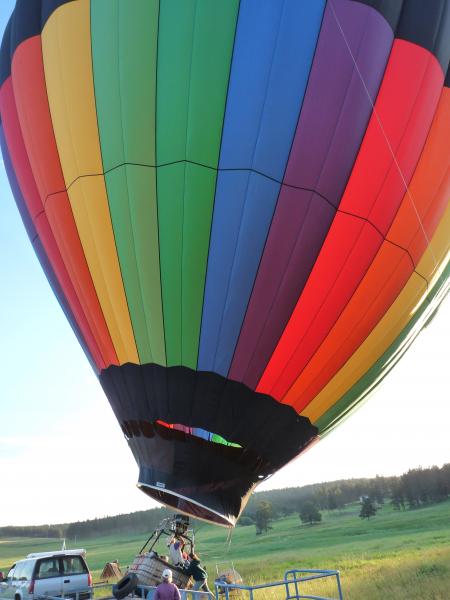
(242, 208)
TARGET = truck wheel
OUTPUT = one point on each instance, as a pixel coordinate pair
(125, 586)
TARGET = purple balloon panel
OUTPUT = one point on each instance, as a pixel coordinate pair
(348, 67)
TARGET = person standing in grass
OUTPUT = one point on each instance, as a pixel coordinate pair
(167, 590)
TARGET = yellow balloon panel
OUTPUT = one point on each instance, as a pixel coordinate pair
(66, 46)
(91, 212)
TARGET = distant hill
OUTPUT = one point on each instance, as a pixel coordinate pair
(412, 489)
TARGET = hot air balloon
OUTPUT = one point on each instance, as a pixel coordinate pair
(242, 208)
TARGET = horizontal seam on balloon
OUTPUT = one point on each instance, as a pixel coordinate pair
(239, 169)
(338, 210)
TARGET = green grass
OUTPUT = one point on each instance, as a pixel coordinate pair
(400, 555)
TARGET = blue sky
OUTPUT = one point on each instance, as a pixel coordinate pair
(59, 440)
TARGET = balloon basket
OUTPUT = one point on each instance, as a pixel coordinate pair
(149, 568)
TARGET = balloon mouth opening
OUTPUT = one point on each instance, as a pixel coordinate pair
(166, 414)
(186, 505)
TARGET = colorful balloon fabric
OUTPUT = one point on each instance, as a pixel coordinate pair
(242, 208)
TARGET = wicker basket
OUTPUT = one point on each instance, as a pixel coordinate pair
(149, 568)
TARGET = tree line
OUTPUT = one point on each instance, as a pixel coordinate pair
(411, 490)
(140, 522)
(416, 488)
(144, 521)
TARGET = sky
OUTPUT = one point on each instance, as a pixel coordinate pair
(63, 456)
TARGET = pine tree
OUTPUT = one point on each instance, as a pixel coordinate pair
(368, 509)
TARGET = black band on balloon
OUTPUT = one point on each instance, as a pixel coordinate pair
(420, 22)
(390, 9)
(27, 20)
(178, 395)
(427, 24)
(206, 479)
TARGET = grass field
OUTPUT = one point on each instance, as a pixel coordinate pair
(395, 555)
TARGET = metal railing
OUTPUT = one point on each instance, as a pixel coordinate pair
(294, 577)
(293, 587)
(294, 580)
